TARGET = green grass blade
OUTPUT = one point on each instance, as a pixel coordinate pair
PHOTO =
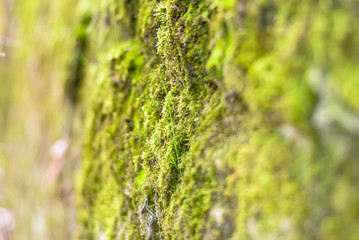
(171, 125)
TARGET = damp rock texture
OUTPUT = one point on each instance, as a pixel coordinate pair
(218, 119)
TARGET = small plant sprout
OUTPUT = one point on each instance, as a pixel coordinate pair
(170, 124)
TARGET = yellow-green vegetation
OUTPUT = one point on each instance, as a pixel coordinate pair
(202, 119)
(214, 119)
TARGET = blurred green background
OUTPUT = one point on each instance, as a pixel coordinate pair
(35, 44)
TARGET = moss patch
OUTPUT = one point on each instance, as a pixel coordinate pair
(256, 95)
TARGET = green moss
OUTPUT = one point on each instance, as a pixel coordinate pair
(254, 92)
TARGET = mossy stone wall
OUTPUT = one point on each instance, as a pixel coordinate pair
(220, 119)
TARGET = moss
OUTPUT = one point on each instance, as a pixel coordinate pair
(254, 89)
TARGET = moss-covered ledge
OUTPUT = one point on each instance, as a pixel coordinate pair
(211, 119)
